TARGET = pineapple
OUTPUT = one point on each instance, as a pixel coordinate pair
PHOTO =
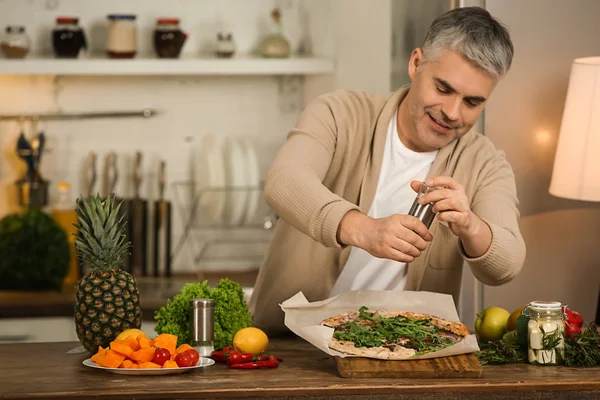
(107, 299)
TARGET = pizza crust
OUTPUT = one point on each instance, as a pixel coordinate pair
(399, 353)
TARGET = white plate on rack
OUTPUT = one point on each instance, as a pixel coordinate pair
(236, 180)
(210, 174)
(202, 363)
(253, 177)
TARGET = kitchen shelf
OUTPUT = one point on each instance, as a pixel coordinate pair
(242, 65)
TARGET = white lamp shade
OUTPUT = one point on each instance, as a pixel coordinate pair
(576, 173)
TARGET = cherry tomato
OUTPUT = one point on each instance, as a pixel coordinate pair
(194, 355)
(235, 357)
(160, 356)
(184, 359)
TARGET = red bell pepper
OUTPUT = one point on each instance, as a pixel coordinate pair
(573, 323)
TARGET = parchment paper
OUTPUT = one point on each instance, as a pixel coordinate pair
(304, 318)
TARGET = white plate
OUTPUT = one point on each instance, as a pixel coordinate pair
(209, 173)
(236, 178)
(253, 176)
(202, 363)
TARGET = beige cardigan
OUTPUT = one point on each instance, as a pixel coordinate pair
(330, 164)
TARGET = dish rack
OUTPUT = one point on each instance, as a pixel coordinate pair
(202, 231)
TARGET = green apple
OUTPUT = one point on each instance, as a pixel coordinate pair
(491, 323)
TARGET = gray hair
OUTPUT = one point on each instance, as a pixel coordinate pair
(475, 34)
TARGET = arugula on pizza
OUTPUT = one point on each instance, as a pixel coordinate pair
(392, 335)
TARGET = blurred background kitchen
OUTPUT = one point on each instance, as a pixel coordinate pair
(179, 107)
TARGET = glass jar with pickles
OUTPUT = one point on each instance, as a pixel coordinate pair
(545, 332)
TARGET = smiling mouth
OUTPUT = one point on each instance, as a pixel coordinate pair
(438, 122)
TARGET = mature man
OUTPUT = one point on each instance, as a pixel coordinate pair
(344, 181)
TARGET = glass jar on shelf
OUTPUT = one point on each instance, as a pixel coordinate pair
(168, 38)
(15, 43)
(121, 41)
(68, 38)
(545, 332)
(225, 45)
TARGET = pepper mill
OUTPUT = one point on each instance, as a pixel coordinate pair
(202, 325)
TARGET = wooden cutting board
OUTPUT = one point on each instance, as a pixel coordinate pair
(459, 366)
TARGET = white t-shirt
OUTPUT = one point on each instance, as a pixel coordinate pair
(394, 195)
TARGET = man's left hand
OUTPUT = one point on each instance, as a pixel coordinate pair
(451, 204)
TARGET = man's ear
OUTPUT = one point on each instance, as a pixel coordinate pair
(416, 59)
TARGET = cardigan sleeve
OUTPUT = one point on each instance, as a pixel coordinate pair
(294, 184)
(495, 202)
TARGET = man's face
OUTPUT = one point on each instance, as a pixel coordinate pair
(445, 100)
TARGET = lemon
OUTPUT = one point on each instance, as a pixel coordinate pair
(250, 340)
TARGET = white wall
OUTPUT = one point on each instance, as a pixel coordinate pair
(523, 118)
(355, 32)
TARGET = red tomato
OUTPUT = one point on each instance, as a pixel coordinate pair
(160, 356)
(235, 357)
(184, 360)
(194, 355)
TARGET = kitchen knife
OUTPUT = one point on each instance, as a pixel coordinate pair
(110, 178)
(90, 173)
(162, 227)
(111, 174)
(139, 209)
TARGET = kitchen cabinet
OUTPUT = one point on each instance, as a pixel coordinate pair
(30, 330)
(52, 329)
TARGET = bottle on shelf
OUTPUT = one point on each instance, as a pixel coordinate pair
(275, 44)
(65, 215)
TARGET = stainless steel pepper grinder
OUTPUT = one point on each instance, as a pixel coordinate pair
(202, 321)
(423, 211)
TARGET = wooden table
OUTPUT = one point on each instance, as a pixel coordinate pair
(44, 371)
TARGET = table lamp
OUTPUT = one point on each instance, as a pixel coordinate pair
(576, 172)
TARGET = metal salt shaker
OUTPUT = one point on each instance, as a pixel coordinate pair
(202, 320)
(423, 212)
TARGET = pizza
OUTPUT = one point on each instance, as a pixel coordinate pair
(392, 335)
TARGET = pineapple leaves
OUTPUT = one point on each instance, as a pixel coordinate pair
(100, 238)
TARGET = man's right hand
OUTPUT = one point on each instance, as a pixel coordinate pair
(397, 237)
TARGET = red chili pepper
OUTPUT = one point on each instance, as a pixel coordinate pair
(256, 365)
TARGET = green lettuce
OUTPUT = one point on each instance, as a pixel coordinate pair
(231, 312)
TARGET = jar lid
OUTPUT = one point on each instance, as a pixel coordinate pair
(167, 21)
(202, 303)
(67, 20)
(121, 16)
(544, 305)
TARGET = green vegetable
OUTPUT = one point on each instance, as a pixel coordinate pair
(510, 337)
(522, 333)
(583, 349)
(417, 334)
(501, 352)
(231, 312)
(34, 252)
